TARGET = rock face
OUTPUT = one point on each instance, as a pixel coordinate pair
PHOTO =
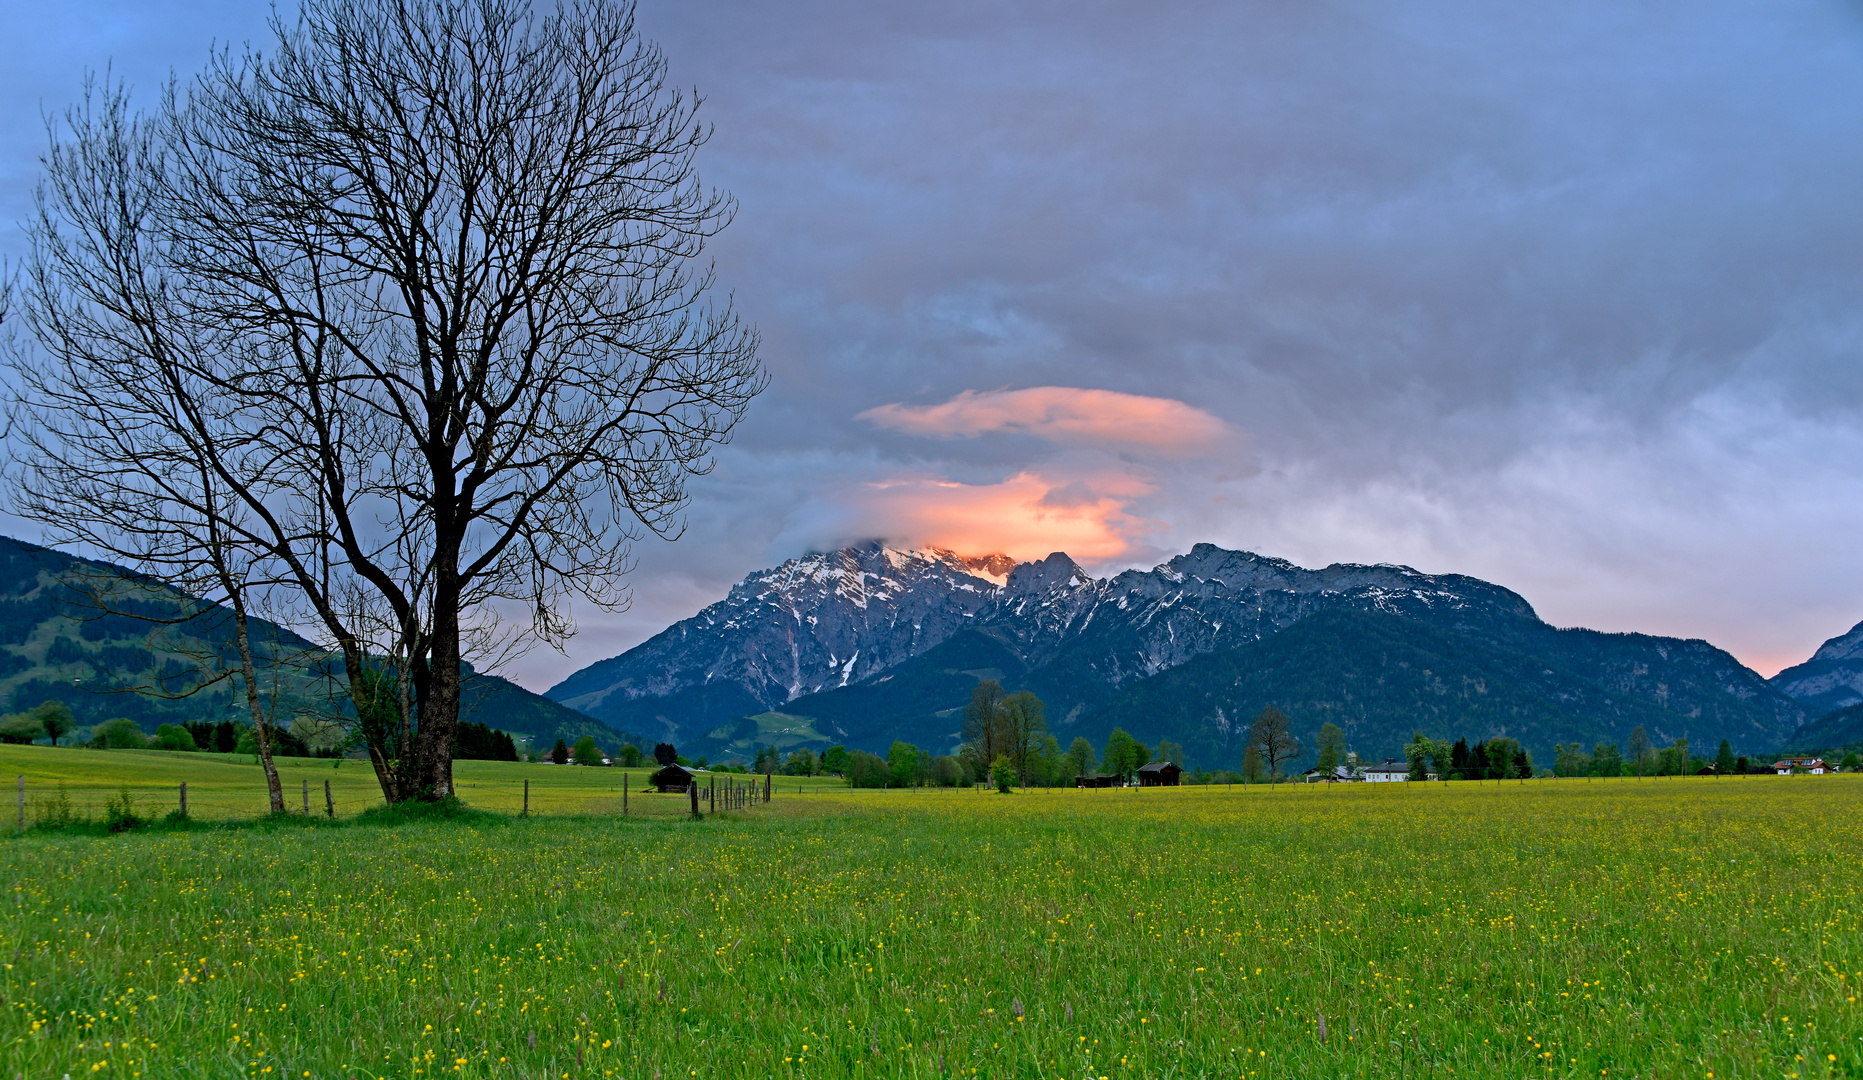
(1832, 678)
(1142, 622)
(811, 624)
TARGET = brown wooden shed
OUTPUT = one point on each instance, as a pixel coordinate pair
(1096, 780)
(1160, 774)
(672, 779)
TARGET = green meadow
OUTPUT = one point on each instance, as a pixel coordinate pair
(1674, 928)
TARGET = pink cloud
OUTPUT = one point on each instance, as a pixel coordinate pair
(1026, 515)
(1061, 414)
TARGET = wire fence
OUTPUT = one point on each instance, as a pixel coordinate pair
(41, 802)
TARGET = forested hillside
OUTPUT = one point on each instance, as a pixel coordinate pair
(155, 656)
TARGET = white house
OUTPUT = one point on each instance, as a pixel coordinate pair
(1388, 771)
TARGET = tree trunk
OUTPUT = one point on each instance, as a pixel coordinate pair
(261, 730)
(439, 703)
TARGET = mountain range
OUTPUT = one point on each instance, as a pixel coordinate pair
(870, 643)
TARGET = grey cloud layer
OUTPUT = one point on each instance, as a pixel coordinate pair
(1566, 296)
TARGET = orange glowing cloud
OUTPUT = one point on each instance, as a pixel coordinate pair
(1025, 516)
(1061, 414)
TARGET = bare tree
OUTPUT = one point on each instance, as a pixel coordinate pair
(1639, 748)
(1272, 739)
(986, 725)
(1025, 721)
(420, 293)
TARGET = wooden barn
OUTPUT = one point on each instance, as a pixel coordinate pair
(1160, 774)
(1096, 780)
(673, 779)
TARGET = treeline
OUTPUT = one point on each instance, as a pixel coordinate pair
(1006, 744)
(481, 742)
(1642, 759)
(1499, 758)
(53, 720)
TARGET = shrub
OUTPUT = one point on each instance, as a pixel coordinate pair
(20, 728)
(1003, 774)
(118, 734)
(174, 737)
(414, 811)
(120, 812)
(55, 812)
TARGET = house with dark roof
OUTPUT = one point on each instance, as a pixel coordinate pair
(1160, 774)
(1096, 780)
(1388, 771)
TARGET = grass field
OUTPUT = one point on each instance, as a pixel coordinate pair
(230, 787)
(1675, 928)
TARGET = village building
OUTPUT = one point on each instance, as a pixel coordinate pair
(1812, 765)
(1341, 774)
(1097, 780)
(1160, 774)
(1388, 771)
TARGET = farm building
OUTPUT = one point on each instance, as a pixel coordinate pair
(1096, 780)
(674, 778)
(1812, 765)
(1388, 771)
(1160, 774)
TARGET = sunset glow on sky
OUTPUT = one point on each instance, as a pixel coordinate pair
(1568, 297)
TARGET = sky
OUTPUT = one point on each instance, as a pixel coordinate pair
(1566, 296)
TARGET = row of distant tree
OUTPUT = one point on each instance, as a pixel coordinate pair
(1605, 759)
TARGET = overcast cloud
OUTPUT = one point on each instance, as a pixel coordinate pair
(1568, 297)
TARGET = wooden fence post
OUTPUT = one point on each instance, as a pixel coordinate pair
(184, 798)
(692, 789)
(527, 798)
(22, 802)
(329, 801)
(624, 787)
(766, 787)
(307, 798)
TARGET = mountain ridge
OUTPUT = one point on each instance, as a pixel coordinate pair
(1080, 642)
(1832, 678)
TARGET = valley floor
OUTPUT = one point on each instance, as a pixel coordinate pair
(1672, 928)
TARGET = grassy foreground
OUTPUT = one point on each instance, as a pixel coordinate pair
(1677, 928)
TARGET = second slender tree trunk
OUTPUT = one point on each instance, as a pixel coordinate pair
(260, 728)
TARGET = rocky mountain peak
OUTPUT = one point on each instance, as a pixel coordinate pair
(1847, 646)
(994, 569)
(1055, 573)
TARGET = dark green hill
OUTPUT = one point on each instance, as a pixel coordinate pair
(1839, 729)
(920, 701)
(1379, 676)
(57, 644)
